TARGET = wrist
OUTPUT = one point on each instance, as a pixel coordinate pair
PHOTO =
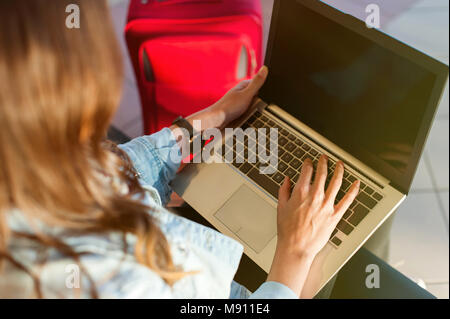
(294, 255)
(209, 118)
(217, 118)
(293, 251)
(290, 269)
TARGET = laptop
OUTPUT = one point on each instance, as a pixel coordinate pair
(335, 87)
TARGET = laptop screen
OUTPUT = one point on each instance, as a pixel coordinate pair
(362, 96)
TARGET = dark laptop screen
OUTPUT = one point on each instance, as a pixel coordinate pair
(362, 96)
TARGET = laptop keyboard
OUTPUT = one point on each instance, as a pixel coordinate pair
(292, 152)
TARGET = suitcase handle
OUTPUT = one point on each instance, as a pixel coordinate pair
(247, 57)
(148, 70)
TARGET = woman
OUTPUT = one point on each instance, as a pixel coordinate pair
(73, 206)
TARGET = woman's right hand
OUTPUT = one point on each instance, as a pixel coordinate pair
(306, 219)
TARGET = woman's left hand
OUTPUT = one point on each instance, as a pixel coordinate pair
(233, 104)
(237, 100)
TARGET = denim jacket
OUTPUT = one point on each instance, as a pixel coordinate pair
(116, 274)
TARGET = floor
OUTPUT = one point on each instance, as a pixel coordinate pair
(420, 235)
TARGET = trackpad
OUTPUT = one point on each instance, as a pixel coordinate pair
(250, 217)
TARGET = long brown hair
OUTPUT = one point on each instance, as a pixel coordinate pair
(59, 90)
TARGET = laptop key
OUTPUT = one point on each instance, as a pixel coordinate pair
(359, 213)
(245, 168)
(278, 177)
(344, 227)
(298, 153)
(282, 166)
(366, 200)
(265, 182)
(290, 147)
(258, 123)
(281, 151)
(282, 141)
(286, 157)
(377, 196)
(369, 190)
(347, 214)
(295, 163)
(336, 241)
(290, 172)
(306, 147)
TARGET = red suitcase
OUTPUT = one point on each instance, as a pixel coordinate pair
(187, 53)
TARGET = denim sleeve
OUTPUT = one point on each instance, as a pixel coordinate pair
(156, 158)
(273, 290)
(238, 291)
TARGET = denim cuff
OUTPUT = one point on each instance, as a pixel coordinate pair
(273, 290)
